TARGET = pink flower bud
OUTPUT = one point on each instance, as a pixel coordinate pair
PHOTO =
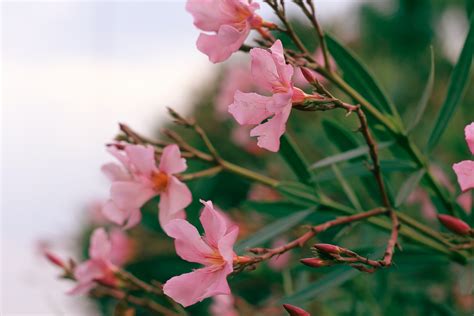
(454, 224)
(295, 311)
(309, 75)
(328, 248)
(315, 262)
(54, 259)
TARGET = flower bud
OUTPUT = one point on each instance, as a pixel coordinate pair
(54, 259)
(295, 311)
(309, 75)
(328, 248)
(454, 224)
(315, 262)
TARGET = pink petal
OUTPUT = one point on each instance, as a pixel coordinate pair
(120, 155)
(237, 77)
(176, 197)
(465, 173)
(465, 200)
(280, 101)
(130, 195)
(165, 217)
(249, 108)
(122, 247)
(469, 133)
(214, 224)
(226, 247)
(171, 161)
(142, 158)
(134, 218)
(188, 243)
(190, 288)
(114, 214)
(269, 69)
(100, 246)
(114, 172)
(269, 133)
(82, 288)
(209, 14)
(223, 305)
(85, 274)
(222, 45)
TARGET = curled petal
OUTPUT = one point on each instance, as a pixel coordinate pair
(218, 47)
(465, 173)
(269, 133)
(249, 108)
(189, 244)
(176, 197)
(469, 133)
(100, 246)
(190, 288)
(171, 161)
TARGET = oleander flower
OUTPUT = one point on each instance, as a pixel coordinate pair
(228, 21)
(123, 247)
(99, 268)
(223, 305)
(465, 169)
(141, 180)
(214, 251)
(270, 73)
(236, 77)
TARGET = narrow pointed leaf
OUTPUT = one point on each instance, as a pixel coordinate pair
(408, 187)
(457, 86)
(272, 230)
(295, 159)
(359, 77)
(351, 195)
(420, 108)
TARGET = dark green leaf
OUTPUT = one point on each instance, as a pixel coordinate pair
(333, 279)
(339, 135)
(295, 159)
(347, 155)
(359, 77)
(275, 209)
(272, 230)
(351, 195)
(420, 108)
(298, 193)
(408, 186)
(457, 86)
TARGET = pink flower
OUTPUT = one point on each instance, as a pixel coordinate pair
(123, 247)
(237, 77)
(229, 21)
(465, 169)
(299, 78)
(280, 262)
(214, 250)
(142, 180)
(465, 201)
(98, 268)
(223, 305)
(273, 75)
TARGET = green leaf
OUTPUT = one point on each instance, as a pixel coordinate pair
(425, 97)
(339, 135)
(347, 155)
(298, 193)
(294, 158)
(330, 280)
(359, 77)
(274, 209)
(457, 87)
(351, 195)
(408, 186)
(272, 230)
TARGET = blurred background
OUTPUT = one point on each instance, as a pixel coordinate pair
(72, 70)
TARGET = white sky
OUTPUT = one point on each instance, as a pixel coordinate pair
(70, 72)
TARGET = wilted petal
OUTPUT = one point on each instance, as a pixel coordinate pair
(130, 195)
(100, 246)
(218, 47)
(269, 133)
(190, 288)
(469, 133)
(171, 161)
(176, 197)
(188, 243)
(142, 158)
(249, 108)
(465, 173)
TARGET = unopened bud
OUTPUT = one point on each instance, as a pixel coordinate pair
(295, 311)
(315, 262)
(455, 224)
(328, 248)
(309, 75)
(54, 259)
